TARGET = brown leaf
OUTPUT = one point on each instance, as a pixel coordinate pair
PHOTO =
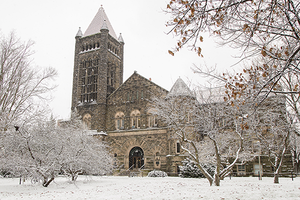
(171, 52)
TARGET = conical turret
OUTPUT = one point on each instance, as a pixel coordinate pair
(100, 21)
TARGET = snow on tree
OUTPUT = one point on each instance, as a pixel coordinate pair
(20, 82)
(277, 112)
(189, 169)
(259, 28)
(82, 153)
(40, 149)
(211, 133)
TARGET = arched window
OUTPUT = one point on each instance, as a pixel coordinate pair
(152, 119)
(119, 120)
(135, 119)
(87, 121)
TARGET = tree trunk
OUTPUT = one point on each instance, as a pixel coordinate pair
(217, 180)
(47, 182)
(276, 178)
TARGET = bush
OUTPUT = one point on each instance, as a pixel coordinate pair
(189, 169)
(157, 173)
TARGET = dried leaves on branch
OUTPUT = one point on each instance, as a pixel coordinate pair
(266, 28)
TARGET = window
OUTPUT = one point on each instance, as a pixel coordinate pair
(257, 169)
(178, 147)
(88, 76)
(135, 119)
(152, 119)
(87, 121)
(241, 170)
(152, 122)
(119, 119)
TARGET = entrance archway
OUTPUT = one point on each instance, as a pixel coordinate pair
(136, 158)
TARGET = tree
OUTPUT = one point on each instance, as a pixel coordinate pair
(267, 28)
(20, 83)
(32, 150)
(82, 153)
(272, 130)
(42, 150)
(211, 133)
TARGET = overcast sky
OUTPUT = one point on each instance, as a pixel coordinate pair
(53, 24)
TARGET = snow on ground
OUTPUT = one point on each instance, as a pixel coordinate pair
(92, 187)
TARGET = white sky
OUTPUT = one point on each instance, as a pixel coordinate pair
(53, 24)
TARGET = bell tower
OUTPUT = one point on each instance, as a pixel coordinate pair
(98, 70)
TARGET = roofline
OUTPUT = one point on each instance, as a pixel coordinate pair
(140, 76)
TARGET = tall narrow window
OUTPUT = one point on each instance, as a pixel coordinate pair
(87, 121)
(152, 121)
(178, 147)
(135, 119)
(119, 119)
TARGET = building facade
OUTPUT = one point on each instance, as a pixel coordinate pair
(120, 112)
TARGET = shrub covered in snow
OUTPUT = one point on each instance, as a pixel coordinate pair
(190, 170)
(157, 173)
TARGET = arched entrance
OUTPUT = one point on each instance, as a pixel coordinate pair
(136, 158)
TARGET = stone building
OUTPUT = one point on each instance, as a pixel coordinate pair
(120, 110)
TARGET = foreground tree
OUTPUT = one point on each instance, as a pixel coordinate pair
(272, 130)
(273, 116)
(267, 28)
(82, 153)
(20, 82)
(211, 133)
(42, 150)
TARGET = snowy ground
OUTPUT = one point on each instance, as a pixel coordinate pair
(151, 188)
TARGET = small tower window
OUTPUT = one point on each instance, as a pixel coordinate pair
(178, 147)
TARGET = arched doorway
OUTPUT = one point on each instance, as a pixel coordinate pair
(136, 158)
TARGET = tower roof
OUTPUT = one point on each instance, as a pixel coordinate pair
(180, 89)
(98, 22)
(79, 33)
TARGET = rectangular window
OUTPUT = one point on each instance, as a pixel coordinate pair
(241, 170)
(118, 124)
(142, 95)
(177, 147)
(257, 169)
(137, 94)
(122, 123)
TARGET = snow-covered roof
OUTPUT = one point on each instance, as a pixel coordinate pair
(79, 33)
(180, 89)
(98, 22)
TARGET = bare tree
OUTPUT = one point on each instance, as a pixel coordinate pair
(20, 82)
(82, 153)
(210, 133)
(272, 130)
(268, 28)
(40, 149)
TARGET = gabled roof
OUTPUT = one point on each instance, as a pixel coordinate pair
(97, 24)
(131, 77)
(180, 89)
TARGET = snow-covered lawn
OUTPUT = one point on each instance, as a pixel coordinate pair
(92, 187)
